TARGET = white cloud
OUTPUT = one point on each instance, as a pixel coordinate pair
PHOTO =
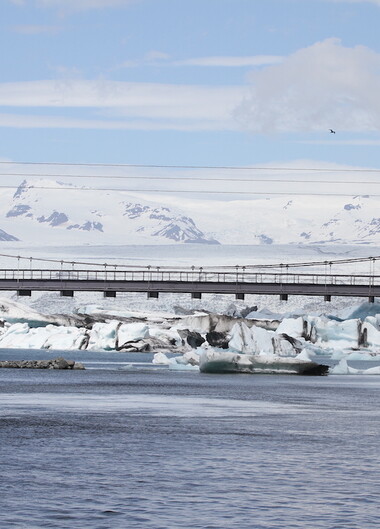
(322, 86)
(19, 121)
(255, 60)
(160, 58)
(125, 105)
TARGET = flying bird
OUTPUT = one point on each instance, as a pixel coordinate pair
(332, 131)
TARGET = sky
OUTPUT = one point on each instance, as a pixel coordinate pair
(191, 82)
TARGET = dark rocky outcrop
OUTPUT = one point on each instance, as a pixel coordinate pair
(54, 219)
(193, 338)
(217, 339)
(55, 363)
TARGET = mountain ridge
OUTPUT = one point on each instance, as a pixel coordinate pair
(113, 214)
(52, 212)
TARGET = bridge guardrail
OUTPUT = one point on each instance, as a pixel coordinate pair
(188, 276)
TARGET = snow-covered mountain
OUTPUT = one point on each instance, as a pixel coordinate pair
(48, 212)
(292, 220)
(4, 236)
(52, 212)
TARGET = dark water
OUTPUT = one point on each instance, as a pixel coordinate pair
(136, 446)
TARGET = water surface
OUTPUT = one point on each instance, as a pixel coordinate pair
(138, 446)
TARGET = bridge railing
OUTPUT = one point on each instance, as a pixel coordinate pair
(193, 276)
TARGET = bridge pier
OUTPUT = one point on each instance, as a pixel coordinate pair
(196, 295)
(109, 294)
(239, 295)
(152, 295)
(66, 293)
(283, 297)
(327, 297)
(371, 299)
(24, 292)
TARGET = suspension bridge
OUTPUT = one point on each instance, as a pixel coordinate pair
(281, 280)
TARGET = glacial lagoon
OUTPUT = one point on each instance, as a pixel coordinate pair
(126, 443)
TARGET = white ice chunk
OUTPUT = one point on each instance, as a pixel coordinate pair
(132, 332)
(169, 336)
(344, 369)
(103, 336)
(372, 334)
(259, 341)
(161, 359)
(20, 335)
(198, 322)
(11, 336)
(213, 361)
(191, 357)
(282, 347)
(372, 371)
(292, 327)
(241, 339)
(304, 355)
(335, 334)
(254, 340)
(65, 338)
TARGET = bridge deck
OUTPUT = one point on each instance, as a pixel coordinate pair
(195, 282)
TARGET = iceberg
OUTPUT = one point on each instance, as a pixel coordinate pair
(103, 336)
(213, 361)
(219, 342)
(160, 359)
(344, 369)
(130, 332)
(256, 340)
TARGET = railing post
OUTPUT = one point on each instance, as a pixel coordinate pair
(371, 275)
